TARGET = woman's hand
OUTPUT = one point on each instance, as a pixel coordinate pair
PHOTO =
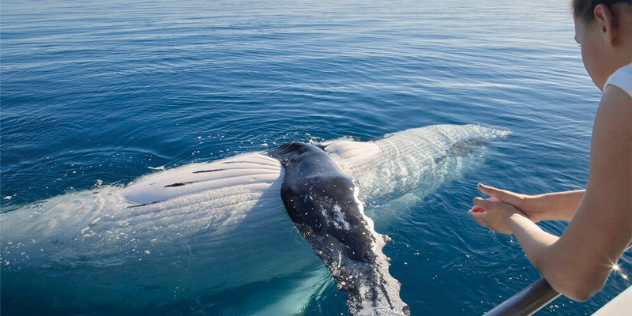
(542, 207)
(494, 214)
(525, 203)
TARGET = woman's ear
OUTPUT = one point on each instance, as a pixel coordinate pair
(605, 22)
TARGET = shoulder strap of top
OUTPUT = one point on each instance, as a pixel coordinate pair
(622, 78)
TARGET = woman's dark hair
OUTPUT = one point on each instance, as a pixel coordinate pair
(584, 9)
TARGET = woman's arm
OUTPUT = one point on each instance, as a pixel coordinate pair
(577, 264)
(602, 226)
(558, 206)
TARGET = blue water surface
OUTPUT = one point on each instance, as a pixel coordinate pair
(98, 92)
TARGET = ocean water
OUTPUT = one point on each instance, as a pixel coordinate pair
(97, 93)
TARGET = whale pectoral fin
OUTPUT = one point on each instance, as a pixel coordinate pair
(353, 254)
(323, 203)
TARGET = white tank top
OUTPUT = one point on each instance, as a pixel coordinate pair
(622, 78)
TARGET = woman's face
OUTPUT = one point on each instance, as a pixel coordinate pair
(590, 38)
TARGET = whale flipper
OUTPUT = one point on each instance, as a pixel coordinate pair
(323, 204)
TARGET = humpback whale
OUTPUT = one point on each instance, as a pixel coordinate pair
(207, 227)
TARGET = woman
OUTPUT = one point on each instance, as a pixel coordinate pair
(577, 264)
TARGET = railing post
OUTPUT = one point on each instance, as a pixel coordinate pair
(526, 302)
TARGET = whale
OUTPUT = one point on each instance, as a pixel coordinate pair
(204, 228)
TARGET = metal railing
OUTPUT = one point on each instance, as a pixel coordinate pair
(526, 302)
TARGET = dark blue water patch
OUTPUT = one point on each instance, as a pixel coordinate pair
(244, 300)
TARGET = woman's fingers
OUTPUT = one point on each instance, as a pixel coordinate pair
(477, 209)
(493, 215)
(500, 195)
(476, 216)
(484, 204)
(492, 191)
